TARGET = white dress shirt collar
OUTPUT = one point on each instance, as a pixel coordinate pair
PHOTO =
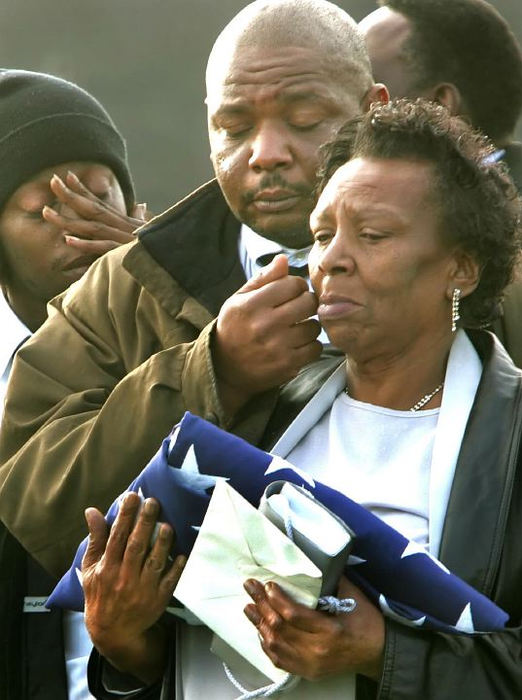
(14, 332)
(252, 246)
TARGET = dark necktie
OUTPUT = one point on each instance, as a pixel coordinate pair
(297, 271)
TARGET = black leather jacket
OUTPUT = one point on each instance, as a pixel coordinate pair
(481, 543)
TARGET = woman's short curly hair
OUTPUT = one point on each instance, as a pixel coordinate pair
(479, 205)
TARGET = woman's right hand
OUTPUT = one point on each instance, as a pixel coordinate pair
(127, 585)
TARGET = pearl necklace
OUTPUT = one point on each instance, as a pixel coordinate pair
(426, 398)
(422, 402)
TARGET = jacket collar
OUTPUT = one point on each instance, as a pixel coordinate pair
(479, 500)
(196, 243)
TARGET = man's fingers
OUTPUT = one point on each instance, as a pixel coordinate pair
(98, 533)
(274, 294)
(275, 270)
(297, 309)
(304, 333)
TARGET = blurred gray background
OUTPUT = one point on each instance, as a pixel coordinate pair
(145, 61)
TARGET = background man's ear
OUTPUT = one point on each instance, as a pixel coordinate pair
(377, 93)
(447, 94)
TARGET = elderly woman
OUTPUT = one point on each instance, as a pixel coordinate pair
(416, 235)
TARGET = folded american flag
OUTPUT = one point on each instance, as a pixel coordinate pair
(399, 576)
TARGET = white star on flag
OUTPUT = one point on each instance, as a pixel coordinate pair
(190, 476)
(465, 621)
(414, 548)
(277, 464)
(399, 618)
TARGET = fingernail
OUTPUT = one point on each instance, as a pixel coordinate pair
(73, 176)
(69, 239)
(150, 506)
(129, 494)
(252, 614)
(251, 586)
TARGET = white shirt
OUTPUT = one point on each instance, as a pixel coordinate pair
(377, 456)
(252, 246)
(14, 333)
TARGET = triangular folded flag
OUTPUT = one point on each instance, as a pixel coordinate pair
(407, 583)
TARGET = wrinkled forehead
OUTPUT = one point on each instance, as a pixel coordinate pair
(264, 72)
(400, 187)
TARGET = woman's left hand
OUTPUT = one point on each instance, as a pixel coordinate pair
(315, 644)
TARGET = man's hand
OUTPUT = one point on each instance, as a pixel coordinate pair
(264, 334)
(99, 227)
(127, 586)
(316, 644)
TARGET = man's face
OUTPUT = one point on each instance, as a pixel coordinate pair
(385, 32)
(268, 113)
(35, 258)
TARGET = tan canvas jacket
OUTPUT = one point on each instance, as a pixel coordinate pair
(123, 355)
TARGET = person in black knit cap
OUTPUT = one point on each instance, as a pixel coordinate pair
(66, 197)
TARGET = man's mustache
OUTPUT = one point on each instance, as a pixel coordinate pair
(276, 181)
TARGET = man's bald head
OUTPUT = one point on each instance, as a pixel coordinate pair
(316, 24)
(281, 79)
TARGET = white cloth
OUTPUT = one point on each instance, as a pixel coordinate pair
(14, 333)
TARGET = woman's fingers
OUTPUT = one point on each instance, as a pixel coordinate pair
(86, 228)
(122, 526)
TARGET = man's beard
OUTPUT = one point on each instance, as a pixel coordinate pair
(291, 236)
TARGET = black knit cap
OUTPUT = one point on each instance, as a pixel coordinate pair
(46, 121)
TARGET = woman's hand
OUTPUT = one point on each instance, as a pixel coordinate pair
(316, 644)
(99, 227)
(127, 586)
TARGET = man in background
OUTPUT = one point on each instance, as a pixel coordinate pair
(462, 54)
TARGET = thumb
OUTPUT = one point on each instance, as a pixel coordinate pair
(98, 534)
(277, 269)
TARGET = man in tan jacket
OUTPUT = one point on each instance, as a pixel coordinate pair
(154, 327)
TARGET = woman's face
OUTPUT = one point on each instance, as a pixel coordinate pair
(379, 266)
(36, 260)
